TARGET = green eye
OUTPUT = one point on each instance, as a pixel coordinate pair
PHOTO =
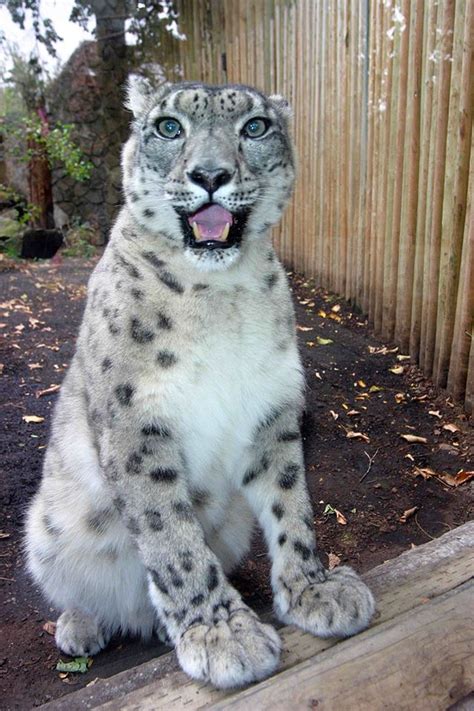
(169, 128)
(256, 127)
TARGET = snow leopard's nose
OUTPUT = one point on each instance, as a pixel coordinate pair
(210, 180)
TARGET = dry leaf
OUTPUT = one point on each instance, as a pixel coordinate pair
(451, 428)
(335, 317)
(362, 396)
(375, 389)
(357, 435)
(408, 514)
(340, 518)
(50, 627)
(361, 384)
(334, 560)
(403, 357)
(351, 413)
(397, 369)
(34, 366)
(435, 413)
(32, 418)
(336, 308)
(399, 398)
(414, 438)
(322, 313)
(460, 478)
(425, 472)
(304, 328)
(334, 414)
(410, 457)
(48, 391)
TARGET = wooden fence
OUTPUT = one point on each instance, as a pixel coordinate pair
(383, 94)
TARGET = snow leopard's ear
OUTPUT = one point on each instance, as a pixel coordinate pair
(141, 95)
(139, 92)
(282, 106)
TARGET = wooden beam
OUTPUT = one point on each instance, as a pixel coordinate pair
(399, 585)
(420, 660)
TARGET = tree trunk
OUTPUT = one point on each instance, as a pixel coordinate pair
(40, 181)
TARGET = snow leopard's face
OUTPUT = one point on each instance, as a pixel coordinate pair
(207, 167)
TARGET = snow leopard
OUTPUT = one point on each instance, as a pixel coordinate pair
(178, 422)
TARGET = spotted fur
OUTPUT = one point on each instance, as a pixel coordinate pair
(178, 421)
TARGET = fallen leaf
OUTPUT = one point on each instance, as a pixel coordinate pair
(408, 514)
(399, 398)
(335, 317)
(414, 438)
(434, 413)
(32, 418)
(340, 518)
(328, 510)
(79, 666)
(361, 384)
(50, 627)
(334, 560)
(34, 366)
(410, 457)
(362, 396)
(351, 413)
(460, 478)
(375, 389)
(336, 308)
(323, 341)
(451, 428)
(4, 535)
(2, 366)
(304, 328)
(397, 369)
(334, 414)
(403, 357)
(48, 391)
(425, 472)
(357, 435)
(322, 313)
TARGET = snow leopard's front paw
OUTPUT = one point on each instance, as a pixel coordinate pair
(79, 634)
(339, 606)
(230, 653)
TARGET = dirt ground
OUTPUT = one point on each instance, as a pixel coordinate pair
(361, 399)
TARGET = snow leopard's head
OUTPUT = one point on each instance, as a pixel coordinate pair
(207, 167)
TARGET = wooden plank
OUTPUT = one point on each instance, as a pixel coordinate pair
(406, 663)
(398, 585)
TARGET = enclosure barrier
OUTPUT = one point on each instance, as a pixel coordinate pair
(382, 92)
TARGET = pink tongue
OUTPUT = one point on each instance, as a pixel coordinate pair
(211, 221)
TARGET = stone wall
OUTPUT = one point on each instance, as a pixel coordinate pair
(75, 98)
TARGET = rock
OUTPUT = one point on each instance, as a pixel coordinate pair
(41, 244)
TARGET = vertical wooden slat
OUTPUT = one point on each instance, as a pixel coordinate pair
(426, 145)
(410, 181)
(439, 160)
(463, 326)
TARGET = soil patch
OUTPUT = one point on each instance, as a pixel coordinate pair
(355, 384)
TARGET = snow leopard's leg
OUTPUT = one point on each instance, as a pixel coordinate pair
(217, 637)
(335, 603)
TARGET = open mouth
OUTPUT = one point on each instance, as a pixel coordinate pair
(213, 227)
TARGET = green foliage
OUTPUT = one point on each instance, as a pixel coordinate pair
(77, 242)
(55, 143)
(13, 221)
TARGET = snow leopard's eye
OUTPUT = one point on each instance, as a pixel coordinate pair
(169, 127)
(256, 127)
